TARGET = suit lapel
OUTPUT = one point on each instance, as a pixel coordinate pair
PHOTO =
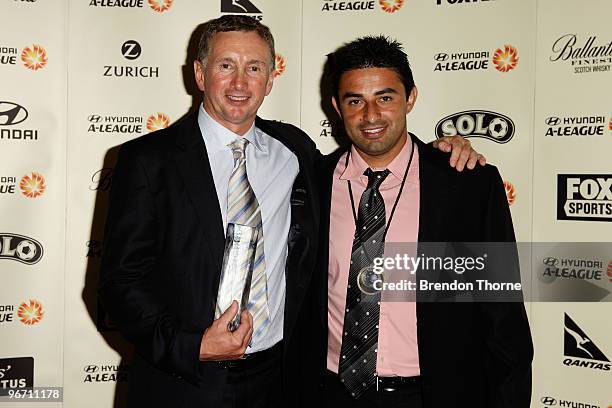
(194, 167)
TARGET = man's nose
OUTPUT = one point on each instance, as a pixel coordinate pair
(371, 113)
(240, 80)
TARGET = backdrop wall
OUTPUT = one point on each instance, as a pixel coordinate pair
(528, 81)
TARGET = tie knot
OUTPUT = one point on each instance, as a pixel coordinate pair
(238, 147)
(375, 178)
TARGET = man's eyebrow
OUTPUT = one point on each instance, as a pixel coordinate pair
(358, 95)
(386, 91)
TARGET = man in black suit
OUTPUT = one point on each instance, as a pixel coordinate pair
(173, 194)
(391, 187)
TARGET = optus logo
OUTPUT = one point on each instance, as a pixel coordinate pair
(391, 6)
(279, 65)
(160, 6)
(34, 57)
(30, 312)
(505, 59)
(157, 121)
(32, 186)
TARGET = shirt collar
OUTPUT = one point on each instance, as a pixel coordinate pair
(357, 165)
(217, 137)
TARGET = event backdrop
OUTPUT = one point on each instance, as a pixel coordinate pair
(527, 81)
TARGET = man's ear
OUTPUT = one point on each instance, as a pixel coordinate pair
(198, 71)
(412, 97)
(335, 103)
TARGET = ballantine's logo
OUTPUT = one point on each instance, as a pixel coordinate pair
(30, 312)
(158, 121)
(477, 123)
(32, 186)
(510, 192)
(584, 59)
(34, 57)
(505, 59)
(391, 6)
(279, 65)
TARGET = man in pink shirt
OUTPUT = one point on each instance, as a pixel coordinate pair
(391, 187)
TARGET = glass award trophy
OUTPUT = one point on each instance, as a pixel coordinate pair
(237, 270)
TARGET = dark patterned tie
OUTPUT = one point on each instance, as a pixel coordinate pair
(357, 368)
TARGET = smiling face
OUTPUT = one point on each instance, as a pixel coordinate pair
(373, 105)
(235, 78)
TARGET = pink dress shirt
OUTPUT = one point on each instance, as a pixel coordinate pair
(397, 337)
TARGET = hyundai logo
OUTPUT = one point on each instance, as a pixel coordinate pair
(550, 261)
(12, 114)
(548, 401)
(325, 123)
(91, 368)
(94, 118)
(442, 56)
(552, 121)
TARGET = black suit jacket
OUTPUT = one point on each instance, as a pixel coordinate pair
(471, 355)
(163, 251)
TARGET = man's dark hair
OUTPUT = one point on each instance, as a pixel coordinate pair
(370, 52)
(228, 23)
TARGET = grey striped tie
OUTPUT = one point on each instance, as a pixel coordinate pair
(243, 208)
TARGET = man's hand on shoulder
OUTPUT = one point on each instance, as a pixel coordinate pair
(218, 343)
(461, 150)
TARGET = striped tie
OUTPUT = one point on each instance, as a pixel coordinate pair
(243, 208)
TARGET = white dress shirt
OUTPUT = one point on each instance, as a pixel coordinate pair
(271, 170)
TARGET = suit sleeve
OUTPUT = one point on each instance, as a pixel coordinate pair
(128, 263)
(509, 349)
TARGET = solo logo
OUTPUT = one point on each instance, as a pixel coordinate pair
(579, 349)
(584, 197)
(477, 123)
(17, 372)
(20, 248)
